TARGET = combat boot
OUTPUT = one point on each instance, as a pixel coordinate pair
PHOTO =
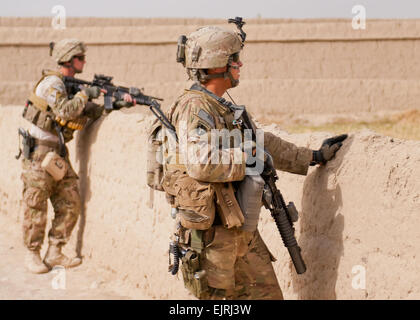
(54, 257)
(34, 263)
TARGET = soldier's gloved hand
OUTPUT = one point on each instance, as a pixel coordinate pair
(328, 149)
(127, 102)
(121, 104)
(92, 92)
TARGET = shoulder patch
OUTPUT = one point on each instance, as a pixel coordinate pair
(203, 115)
(52, 98)
(59, 87)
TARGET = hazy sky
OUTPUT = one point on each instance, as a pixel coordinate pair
(213, 8)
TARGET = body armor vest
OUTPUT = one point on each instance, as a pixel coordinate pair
(222, 193)
(38, 112)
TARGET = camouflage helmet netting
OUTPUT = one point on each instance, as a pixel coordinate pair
(210, 47)
(65, 49)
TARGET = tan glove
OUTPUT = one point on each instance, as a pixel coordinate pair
(92, 92)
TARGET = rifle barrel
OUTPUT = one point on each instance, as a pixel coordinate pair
(78, 81)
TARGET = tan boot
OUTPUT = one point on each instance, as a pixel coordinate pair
(34, 263)
(54, 257)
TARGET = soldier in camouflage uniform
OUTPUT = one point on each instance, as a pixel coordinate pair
(50, 108)
(234, 263)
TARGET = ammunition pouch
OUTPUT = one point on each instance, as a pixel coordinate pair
(77, 124)
(194, 200)
(38, 117)
(227, 206)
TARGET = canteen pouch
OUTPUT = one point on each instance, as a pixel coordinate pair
(55, 165)
(249, 194)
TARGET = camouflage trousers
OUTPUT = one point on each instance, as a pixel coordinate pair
(239, 266)
(38, 187)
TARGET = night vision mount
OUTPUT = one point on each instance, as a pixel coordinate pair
(239, 24)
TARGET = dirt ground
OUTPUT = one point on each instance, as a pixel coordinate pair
(17, 283)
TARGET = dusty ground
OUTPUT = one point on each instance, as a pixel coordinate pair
(16, 283)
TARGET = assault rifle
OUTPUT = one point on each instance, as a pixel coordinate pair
(74, 85)
(283, 215)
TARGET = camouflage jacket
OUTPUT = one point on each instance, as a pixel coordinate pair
(195, 115)
(49, 101)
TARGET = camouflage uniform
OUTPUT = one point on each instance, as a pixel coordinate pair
(48, 103)
(221, 256)
(39, 186)
(237, 262)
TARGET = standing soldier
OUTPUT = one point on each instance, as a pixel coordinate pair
(47, 172)
(221, 258)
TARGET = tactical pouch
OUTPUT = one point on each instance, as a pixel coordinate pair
(194, 200)
(41, 119)
(77, 124)
(55, 165)
(28, 143)
(155, 158)
(45, 121)
(31, 113)
(228, 208)
(195, 279)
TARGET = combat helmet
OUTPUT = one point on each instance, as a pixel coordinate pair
(210, 47)
(65, 49)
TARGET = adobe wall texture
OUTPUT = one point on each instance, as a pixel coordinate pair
(290, 66)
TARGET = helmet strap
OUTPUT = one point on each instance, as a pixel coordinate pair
(204, 77)
(233, 82)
